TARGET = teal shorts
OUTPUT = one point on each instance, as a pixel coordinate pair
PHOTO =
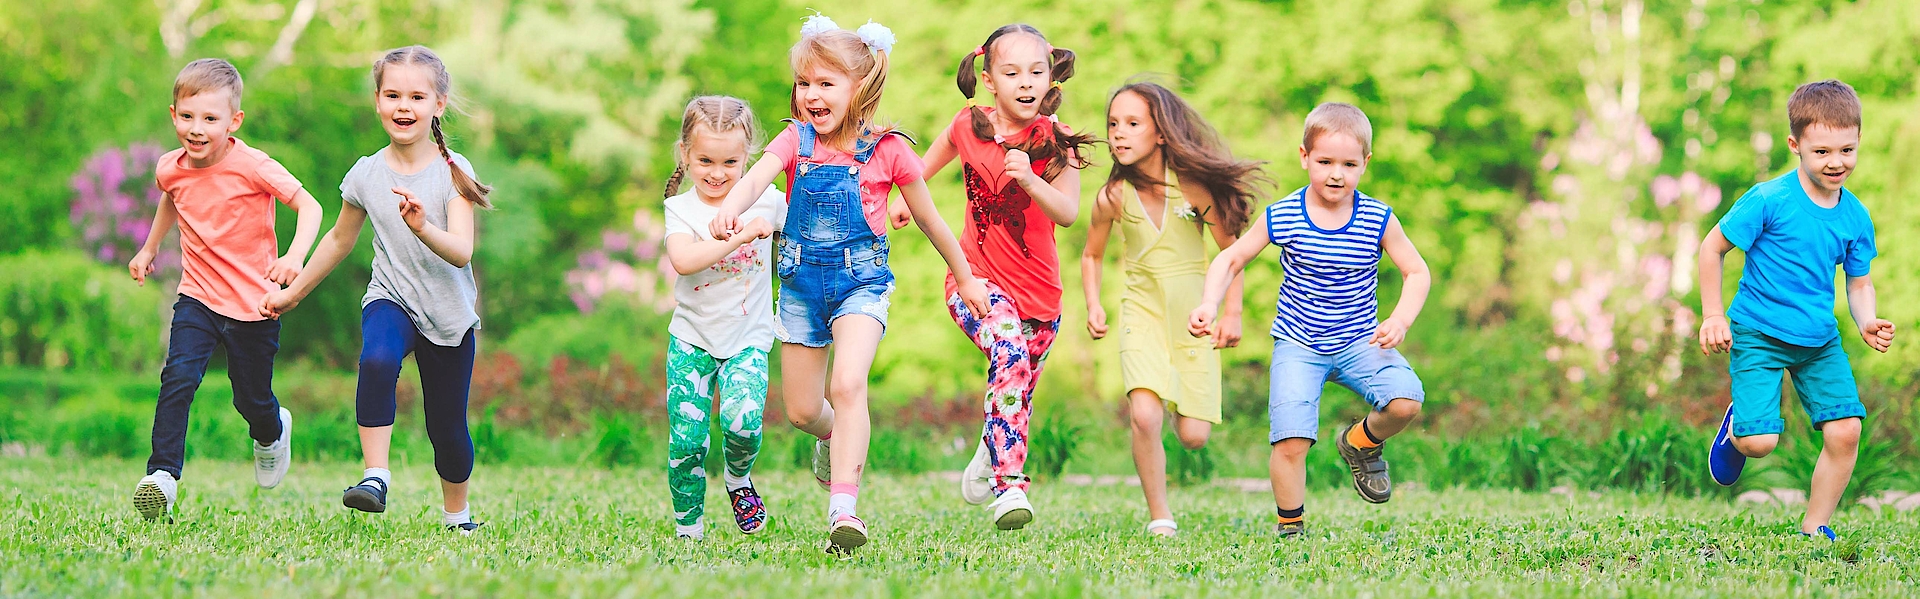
(1822, 379)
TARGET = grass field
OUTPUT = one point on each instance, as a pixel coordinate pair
(68, 531)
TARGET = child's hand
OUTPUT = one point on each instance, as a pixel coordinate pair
(1878, 334)
(410, 209)
(1227, 332)
(725, 223)
(974, 295)
(1019, 166)
(1097, 321)
(899, 214)
(1714, 336)
(278, 302)
(758, 228)
(140, 267)
(284, 270)
(1200, 322)
(1389, 334)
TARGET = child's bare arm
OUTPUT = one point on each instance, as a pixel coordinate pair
(1417, 282)
(1059, 198)
(455, 245)
(284, 270)
(690, 254)
(971, 291)
(1221, 273)
(163, 220)
(1861, 302)
(1094, 256)
(744, 194)
(1715, 334)
(939, 154)
(1227, 334)
(332, 249)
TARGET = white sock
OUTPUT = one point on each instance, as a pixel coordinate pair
(736, 483)
(838, 504)
(696, 530)
(456, 518)
(385, 476)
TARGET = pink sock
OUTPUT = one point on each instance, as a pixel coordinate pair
(844, 489)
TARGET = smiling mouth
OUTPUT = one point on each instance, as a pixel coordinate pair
(1026, 99)
(404, 122)
(819, 113)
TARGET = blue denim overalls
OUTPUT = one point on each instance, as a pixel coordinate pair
(831, 262)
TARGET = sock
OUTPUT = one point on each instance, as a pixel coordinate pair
(456, 518)
(844, 499)
(1291, 516)
(385, 476)
(695, 530)
(1360, 436)
(735, 483)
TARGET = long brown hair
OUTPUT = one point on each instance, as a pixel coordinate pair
(463, 182)
(1194, 152)
(843, 51)
(718, 114)
(1058, 144)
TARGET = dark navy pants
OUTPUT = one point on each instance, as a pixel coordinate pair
(387, 336)
(197, 330)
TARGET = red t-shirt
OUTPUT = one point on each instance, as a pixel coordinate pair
(226, 226)
(1007, 238)
(892, 164)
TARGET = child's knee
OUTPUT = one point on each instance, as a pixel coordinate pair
(1402, 409)
(1193, 439)
(1292, 451)
(1146, 415)
(1756, 446)
(1841, 435)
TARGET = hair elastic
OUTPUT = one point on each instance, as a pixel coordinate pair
(979, 50)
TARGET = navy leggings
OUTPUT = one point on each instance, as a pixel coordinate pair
(446, 373)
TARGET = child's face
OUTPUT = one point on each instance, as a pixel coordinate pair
(1131, 132)
(1019, 76)
(204, 123)
(1826, 155)
(825, 96)
(408, 103)
(1334, 166)
(715, 161)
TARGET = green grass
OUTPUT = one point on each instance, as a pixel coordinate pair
(68, 530)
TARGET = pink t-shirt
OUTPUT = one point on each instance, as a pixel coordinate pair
(893, 164)
(226, 226)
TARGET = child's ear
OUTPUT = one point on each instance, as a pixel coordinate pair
(1793, 144)
(440, 107)
(238, 115)
(1303, 156)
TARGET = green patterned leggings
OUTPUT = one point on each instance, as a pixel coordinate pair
(691, 375)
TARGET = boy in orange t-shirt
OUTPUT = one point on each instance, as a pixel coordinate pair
(221, 193)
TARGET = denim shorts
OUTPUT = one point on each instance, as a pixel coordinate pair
(1298, 375)
(814, 292)
(1822, 379)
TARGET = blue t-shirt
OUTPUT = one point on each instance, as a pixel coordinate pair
(1792, 246)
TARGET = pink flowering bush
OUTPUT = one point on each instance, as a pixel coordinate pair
(114, 199)
(630, 265)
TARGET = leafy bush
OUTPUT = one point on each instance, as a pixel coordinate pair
(59, 309)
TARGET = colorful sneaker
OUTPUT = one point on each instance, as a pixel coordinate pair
(369, 496)
(822, 462)
(976, 482)
(749, 512)
(847, 534)
(1293, 530)
(1369, 469)
(154, 496)
(465, 528)
(1725, 461)
(270, 463)
(1824, 532)
(1011, 511)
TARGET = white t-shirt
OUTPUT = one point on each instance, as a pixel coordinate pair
(729, 306)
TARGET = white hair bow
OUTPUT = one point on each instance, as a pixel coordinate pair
(875, 35)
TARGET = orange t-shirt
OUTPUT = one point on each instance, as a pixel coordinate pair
(226, 226)
(1007, 238)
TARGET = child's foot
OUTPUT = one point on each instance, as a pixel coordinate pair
(1822, 531)
(369, 496)
(1163, 527)
(1293, 530)
(1369, 469)
(847, 534)
(1011, 511)
(1725, 461)
(270, 463)
(153, 497)
(822, 462)
(976, 482)
(749, 512)
(465, 528)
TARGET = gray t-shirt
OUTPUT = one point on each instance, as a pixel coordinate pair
(439, 298)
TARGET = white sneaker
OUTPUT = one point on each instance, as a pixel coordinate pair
(1011, 511)
(153, 497)
(270, 463)
(822, 462)
(976, 482)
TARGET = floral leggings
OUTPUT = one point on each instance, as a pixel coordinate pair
(1016, 351)
(691, 374)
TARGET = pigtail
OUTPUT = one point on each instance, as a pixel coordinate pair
(968, 80)
(673, 182)
(468, 187)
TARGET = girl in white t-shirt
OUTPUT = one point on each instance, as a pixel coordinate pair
(722, 324)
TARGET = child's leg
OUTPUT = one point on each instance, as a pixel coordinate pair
(446, 378)
(190, 345)
(1149, 457)
(1288, 469)
(803, 386)
(743, 404)
(1387, 382)
(1832, 472)
(689, 395)
(386, 337)
(1193, 432)
(855, 340)
(1008, 404)
(1294, 381)
(251, 347)
(1825, 386)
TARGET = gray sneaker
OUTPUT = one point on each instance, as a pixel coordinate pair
(1369, 469)
(822, 462)
(1292, 530)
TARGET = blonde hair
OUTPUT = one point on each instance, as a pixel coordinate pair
(205, 75)
(718, 114)
(1338, 117)
(843, 51)
(463, 182)
(1830, 102)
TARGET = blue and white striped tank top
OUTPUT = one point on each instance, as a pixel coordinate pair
(1327, 300)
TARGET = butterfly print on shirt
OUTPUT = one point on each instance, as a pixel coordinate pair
(1006, 207)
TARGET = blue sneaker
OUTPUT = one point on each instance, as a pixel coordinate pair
(1724, 460)
(1825, 532)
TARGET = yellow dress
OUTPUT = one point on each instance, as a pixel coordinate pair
(1166, 270)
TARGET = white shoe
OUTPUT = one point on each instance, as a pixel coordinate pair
(1011, 511)
(976, 482)
(154, 496)
(270, 463)
(1163, 524)
(822, 462)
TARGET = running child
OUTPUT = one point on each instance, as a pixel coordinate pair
(1173, 184)
(1331, 237)
(722, 327)
(221, 193)
(1021, 168)
(420, 198)
(835, 283)
(1794, 230)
